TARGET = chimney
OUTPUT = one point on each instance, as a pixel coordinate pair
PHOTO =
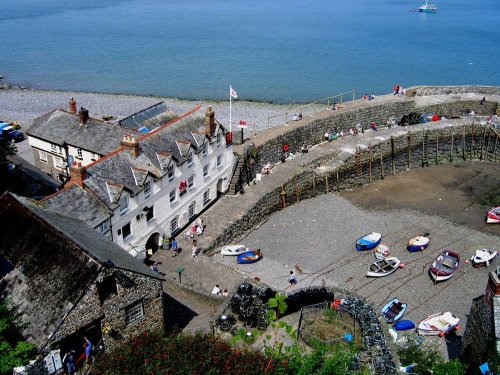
(72, 105)
(210, 122)
(131, 144)
(77, 173)
(84, 115)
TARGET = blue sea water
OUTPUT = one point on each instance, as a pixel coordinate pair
(270, 50)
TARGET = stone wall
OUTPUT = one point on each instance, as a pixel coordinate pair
(447, 90)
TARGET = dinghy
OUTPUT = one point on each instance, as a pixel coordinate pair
(438, 324)
(404, 325)
(483, 257)
(381, 252)
(232, 250)
(444, 266)
(418, 243)
(383, 267)
(249, 257)
(393, 310)
(369, 241)
(493, 216)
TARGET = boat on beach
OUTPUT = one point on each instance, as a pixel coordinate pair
(381, 252)
(427, 8)
(418, 243)
(493, 216)
(249, 257)
(383, 267)
(483, 257)
(393, 310)
(232, 250)
(369, 241)
(444, 266)
(438, 324)
(404, 325)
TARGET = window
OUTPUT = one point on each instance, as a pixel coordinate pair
(79, 152)
(43, 156)
(58, 162)
(219, 141)
(170, 173)
(219, 160)
(94, 157)
(150, 214)
(173, 195)
(147, 189)
(205, 171)
(123, 202)
(53, 148)
(174, 225)
(104, 227)
(60, 150)
(191, 182)
(206, 197)
(107, 288)
(126, 231)
(190, 159)
(191, 210)
(134, 312)
(205, 151)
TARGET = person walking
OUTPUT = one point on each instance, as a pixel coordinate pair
(292, 280)
(173, 246)
(69, 359)
(194, 249)
(88, 350)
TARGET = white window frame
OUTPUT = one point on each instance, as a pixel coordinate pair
(173, 196)
(192, 207)
(134, 312)
(190, 159)
(204, 153)
(219, 160)
(206, 197)
(219, 139)
(60, 150)
(205, 171)
(170, 173)
(43, 156)
(123, 205)
(123, 232)
(53, 148)
(148, 189)
(104, 227)
(191, 182)
(79, 153)
(174, 224)
(58, 162)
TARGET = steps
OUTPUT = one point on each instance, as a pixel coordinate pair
(236, 179)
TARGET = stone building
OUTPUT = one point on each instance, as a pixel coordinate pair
(68, 282)
(153, 185)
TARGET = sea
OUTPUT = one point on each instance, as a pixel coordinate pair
(279, 51)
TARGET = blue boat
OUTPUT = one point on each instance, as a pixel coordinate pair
(418, 243)
(369, 241)
(249, 257)
(393, 310)
(404, 325)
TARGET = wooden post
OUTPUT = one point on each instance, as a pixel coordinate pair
(451, 144)
(409, 150)
(326, 182)
(463, 143)
(381, 162)
(392, 157)
(437, 148)
(370, 163)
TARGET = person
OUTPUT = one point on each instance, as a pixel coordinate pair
(173, 245)
(472, 113)
(373, 126)
(351, 131)
(304, 149)
(154, 267)
(365, 97)
(292, 280)
(372, 96)
(88, 349)
(295, 117)
(216, 291)
(194, 249)
(225, 293)
(266, 169)
(69, 359)
(189, 233)
(483, 100)
(300, 115)
(396, 89)
(359, 128)
(199, 230)
(342, 134)
(199, 222)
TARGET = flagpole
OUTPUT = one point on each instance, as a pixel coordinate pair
(230, 105)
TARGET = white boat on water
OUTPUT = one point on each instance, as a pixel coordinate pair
(427, 8)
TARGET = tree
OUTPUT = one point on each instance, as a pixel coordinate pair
(6, 149)
(14, 351)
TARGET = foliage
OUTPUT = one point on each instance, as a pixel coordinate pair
(427, 358)
(150, 353)
(14, 351)
(6, 149)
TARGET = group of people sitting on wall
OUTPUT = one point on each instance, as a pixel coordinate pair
(196, 229)
(297, 117)
(369, 97)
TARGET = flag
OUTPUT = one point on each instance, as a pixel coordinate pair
(233, 93)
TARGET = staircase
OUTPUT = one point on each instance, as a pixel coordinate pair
(236, 179)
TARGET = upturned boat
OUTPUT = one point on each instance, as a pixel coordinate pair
(404, 325)
(249, 257)
(383, 267)
(393, 310)
(369, 241)
(418, 243)
(438, 324)
(444, 266)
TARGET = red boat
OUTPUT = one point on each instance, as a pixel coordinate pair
(444, 266)
(493, 216)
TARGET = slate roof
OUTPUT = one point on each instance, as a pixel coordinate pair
(62, 127)
(173, 140)
(60, 256)
(77, 202)
(151, 117)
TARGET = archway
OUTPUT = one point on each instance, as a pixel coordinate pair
(219, 187)
(152, 245)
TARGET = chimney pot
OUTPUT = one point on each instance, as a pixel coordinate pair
(84, 115)
(130, 143)
(78, 173)
(210, 121)
(72, 105)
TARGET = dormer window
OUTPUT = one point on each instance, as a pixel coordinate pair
(219, 139)
(123, 203)
(190, 159)
(170, 173)
(205, 151)
(79, 153)
(147, 189)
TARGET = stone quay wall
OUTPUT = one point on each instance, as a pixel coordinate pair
(449, 90)
(419, 148)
